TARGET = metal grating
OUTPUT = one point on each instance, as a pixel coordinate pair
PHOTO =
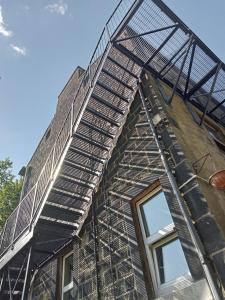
(140, 35)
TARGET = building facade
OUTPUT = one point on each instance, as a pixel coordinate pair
(119, 199)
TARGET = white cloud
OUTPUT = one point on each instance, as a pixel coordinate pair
(26, 8)
(59, 8)
(20, 51)
(3, 30)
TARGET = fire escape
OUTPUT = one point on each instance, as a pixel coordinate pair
(140, 35)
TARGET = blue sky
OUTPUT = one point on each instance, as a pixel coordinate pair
(41, 43)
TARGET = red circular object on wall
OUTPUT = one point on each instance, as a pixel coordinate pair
(217, 180)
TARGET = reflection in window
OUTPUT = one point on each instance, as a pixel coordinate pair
(67, 284)
(171, 262)
(166, 258)
(68, 271)
(155, 213)
(68, 295)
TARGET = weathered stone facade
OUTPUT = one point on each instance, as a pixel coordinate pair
(109, 260)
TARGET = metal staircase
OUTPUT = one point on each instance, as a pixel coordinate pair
(53, 211)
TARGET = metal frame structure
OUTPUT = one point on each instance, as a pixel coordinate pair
(131, 42)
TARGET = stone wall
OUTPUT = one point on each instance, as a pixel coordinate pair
(43, 149)
(109, 262)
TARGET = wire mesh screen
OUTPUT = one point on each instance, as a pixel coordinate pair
(161, 43)
(44, 286)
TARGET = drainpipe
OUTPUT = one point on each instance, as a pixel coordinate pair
(176, 191)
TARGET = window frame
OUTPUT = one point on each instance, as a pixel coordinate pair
(151, 243)
(69, 286)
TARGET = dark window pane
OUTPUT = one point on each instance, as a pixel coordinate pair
(69, 295)
(155, 214)
(171, 261)
(68, 270)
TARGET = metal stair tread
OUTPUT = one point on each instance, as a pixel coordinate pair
(117, 79)
(104, 86)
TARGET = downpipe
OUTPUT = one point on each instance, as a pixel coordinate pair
(176, 191)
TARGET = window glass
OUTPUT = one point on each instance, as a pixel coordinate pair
(69, 295)
(155, 214)
(68, 270)
(171, 261)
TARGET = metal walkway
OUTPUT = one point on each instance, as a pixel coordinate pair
(140, 35)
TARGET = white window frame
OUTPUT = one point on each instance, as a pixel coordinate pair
(69, 286)
(163, 236)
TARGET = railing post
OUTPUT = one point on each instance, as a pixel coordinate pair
(108, 33)
(3, 233)
(53, 158)
(27, 274)
(14, 231)
(71, 121)
(32, 209)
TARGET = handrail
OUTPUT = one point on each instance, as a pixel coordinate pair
(52, 160)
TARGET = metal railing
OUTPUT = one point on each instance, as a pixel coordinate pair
(25, 214)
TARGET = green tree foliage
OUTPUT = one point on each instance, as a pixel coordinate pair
(10, 189)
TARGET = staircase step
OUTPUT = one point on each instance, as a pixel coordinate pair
(65, 208)
(87, 154)
(82, 168)
(60, 213)
(104, 86)
(59, 223)
(103, 117)
(122, 67)
(108, 104)
(95, 128)
(73, 179)
(117, 79)
(70, 194)
(95, 143)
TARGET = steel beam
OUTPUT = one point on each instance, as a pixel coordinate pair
(181, 69)
(198, 85)
(162, 45)
(172, 58)
(146, 33)
(131, 12)
(190, 69)
(174, 63)
(2, 283)
(20, 272)
(217, 106)
(210, 94)
(10, 286)
(26, 284)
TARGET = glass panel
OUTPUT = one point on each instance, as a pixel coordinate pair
(171, 261)
(155, 214)
(68, 270)
(69, 295)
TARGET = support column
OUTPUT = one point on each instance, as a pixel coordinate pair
(27, 278)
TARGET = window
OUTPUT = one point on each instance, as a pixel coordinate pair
(165, 255)
(67, 279)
